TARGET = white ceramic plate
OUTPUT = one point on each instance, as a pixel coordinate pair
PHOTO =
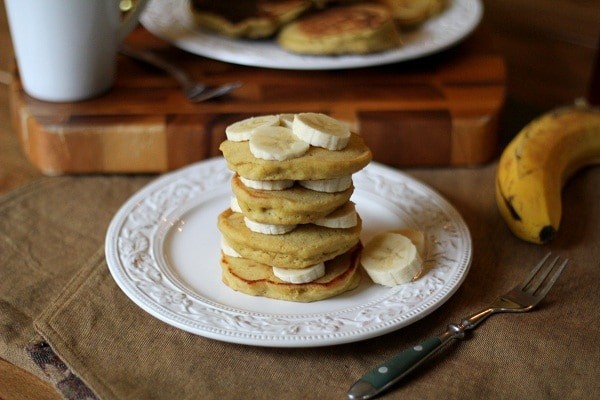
(171, 20)
(163, 249)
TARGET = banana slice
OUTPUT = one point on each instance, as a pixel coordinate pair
(268, 185)
(391, 259)
(343, 217)
(268, 229)
(240, 131)
(302, 275)
(227, 249)
(287, 120)
(234, 205)
(328, 185)
(321, 130)
(415, 236)
(276, 143)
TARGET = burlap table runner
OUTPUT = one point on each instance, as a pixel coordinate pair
(48, 231)
(53, 272)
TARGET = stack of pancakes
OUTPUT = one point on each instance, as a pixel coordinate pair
(318, 27)
(300, 228)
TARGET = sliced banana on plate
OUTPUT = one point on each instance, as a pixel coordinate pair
(276, 143)
(344, 217)
(391, 259)
(321, 130)
(240, 131)
(415, 236)
(287, 120)
(328, 185)
(227, 249)
(268, 229)
(268, 185)
(235, 205)
(302, 275)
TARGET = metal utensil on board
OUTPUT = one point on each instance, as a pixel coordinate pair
(194, 91)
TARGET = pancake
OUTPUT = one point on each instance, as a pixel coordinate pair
(253, 19)
(304, 246)
(317, 163)
(347, 29)
(296, 205)
(341, 274)
(410, 13)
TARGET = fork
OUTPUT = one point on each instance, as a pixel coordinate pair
(194, 91)
(523, 297)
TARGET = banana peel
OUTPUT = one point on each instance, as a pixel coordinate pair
(537, 163)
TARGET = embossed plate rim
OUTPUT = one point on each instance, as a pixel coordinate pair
(137, 234)
(172, 21)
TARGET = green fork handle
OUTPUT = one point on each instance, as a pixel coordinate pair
(397, 367)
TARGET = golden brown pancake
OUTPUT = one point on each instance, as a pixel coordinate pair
(306, 245)
(341, 274)
(410, 13)
(355, 28)
(317, 163)
(248, 18)
(295, 205)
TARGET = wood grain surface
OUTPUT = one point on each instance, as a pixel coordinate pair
(17, 384)
(441, 110)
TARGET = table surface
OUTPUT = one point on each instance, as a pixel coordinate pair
(16, 170)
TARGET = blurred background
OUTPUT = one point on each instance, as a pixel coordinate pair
(550, 48)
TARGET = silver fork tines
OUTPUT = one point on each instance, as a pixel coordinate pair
(537, 285)
(523, 297)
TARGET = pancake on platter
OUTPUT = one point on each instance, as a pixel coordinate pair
(253, 19)
(341, 275)
(317, 163)
(411, 13)
(358, 28)
(296, 205)
(306, 245)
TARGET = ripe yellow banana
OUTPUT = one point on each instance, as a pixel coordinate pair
(536, 164)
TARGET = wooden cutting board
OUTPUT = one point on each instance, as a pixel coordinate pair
(437, 111)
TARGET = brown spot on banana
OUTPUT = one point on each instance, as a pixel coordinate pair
(508, 203)
(547, 234)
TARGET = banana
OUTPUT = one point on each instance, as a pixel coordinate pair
(276, 143)
(321, 130)
(268, 229)
(267, 185)
(536, 164)
(301, 275)
(227, 249)
(415, 236)
(328, 185)
(391, 259)
(344, 217)
(234, 204)
(240, 131)
(418, 239)
(287, 120)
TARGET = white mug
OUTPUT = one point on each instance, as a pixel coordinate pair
(66, 50)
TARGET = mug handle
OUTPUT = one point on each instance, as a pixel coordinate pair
(131, 19)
